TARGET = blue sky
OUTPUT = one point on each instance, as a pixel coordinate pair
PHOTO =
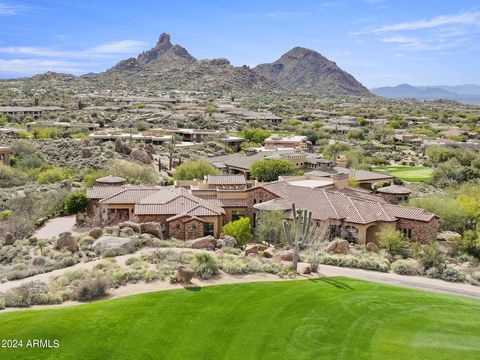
(380, 42)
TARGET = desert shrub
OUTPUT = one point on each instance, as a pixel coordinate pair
(150, 276)
(76, 202)
(473, 278)
(197, 169)
(272, 267)
(449, 273)
(170, 243)
(470, 243)
(133, 173)
(5, 214)
(2, 301)
(26, 294)
(270, 227)
(233, 265)
(46, 132)
(23, 148)
(92, 289)
(231, 251)
(204, 265)
(32, 161)
(369, 262)
(240, 229)
(406, 267)
(134, 276)
(47, 299)
(11, 177)
(85, 241)
(53, 175)
(392, 242)
(117, 277)
(429, 255)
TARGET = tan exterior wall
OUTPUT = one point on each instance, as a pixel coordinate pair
(228, 213)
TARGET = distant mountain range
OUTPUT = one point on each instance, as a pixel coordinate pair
(468, 94)
(168, 66)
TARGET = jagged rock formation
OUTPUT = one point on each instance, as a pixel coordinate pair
(307, 69)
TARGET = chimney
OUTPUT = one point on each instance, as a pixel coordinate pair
(340, 181)
(341, 161)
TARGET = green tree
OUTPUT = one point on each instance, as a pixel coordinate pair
(255, 135)
(76, 202)
(240, 229)
(197, 169)
(270, 170)
(270, 227)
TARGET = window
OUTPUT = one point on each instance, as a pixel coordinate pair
(177, 226)
(407, 233)
(335, 231)
(236, 214)
(208, 228)
(194, 226)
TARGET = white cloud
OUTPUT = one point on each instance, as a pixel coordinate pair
(117, 47)
(6, 9)
(466, 18)
(36, 66)
(113, 48)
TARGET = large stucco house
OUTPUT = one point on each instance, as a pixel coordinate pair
(191, 209)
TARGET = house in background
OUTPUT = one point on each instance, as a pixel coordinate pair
(5, 153)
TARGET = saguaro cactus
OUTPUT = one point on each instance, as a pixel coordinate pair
(297, 231)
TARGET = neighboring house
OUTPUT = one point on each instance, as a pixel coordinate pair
(5, 153)
(33, 111)
(317, 166)
(281, 141)
(351, 213)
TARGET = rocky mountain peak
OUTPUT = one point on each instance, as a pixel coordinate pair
(307, 69)
(164, 41)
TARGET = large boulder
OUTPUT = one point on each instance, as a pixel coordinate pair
(141, 155)
(253, 249)
(151, 228)
(67, 241)
(86, 153)
(184, 274)
(284, 255)
(132, 225)
(113, 245)
(127, 232)
(122, 147)
(372, 247)
(269, 252)
(9, 238)
(338, 246)
(206, 242)
(304, 268)
(95, 232)
(226, 241)
(149, 148)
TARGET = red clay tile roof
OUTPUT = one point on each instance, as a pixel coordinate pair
(102, 192)
(333, 204)
(171, 201)
(226, 179)
(130, 195)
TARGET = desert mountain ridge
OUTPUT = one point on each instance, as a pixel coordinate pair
(171, 66)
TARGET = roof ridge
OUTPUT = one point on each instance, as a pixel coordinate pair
(331, 204)
(354, 206)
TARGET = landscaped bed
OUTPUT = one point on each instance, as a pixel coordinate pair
(407, 173)
(327, 318)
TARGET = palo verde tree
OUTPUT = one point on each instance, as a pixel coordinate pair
(297, 231)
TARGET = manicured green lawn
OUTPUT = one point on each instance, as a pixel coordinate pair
(407, 173)
(334, 318)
